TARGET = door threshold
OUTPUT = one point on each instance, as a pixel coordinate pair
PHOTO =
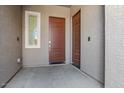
(57, 64)
(78, 66)
(51, 63)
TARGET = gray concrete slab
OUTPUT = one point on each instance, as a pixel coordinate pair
(62, 76)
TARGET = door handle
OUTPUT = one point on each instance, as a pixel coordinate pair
(49, 45)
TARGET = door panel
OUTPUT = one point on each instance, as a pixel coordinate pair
(56, 40)
(76, 39)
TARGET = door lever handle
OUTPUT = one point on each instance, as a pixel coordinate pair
(49, 45)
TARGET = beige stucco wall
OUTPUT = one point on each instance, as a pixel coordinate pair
(40, 56)
(10, 48)
(92, 53)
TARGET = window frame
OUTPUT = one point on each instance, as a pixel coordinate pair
(27, 14)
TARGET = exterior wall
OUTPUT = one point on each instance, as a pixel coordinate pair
(92, 53)
(114, 53)
(40, 56)
(10, 48)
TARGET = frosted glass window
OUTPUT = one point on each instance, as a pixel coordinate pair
(32, 29)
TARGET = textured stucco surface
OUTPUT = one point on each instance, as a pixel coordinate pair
(40, 56)
(10, 49)
(92, 53)
(114, 49)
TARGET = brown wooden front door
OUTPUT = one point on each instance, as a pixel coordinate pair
(56, 40)
(76, 39)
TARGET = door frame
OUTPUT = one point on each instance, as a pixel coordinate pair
(79, 11)
(64, 40)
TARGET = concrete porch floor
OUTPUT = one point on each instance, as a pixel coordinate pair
(61, 76)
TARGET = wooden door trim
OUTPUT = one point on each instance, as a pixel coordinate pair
(79, 11)
(56, 17)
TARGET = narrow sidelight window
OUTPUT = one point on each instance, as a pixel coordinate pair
(32, 29)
